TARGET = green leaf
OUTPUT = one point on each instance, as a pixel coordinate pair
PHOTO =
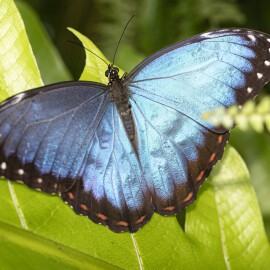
(255, 149)
(95, 68)
(18, 68)
(223, 229)
(35, 252)
(244, 240)
(225, 219)
(50, 63)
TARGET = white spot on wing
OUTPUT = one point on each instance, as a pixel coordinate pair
(207, 34)
(267, 63)
(39, 180)
(3, 165)
(259, 75)
(20, 171)
(252, 37)
(268, 39)
(19, 97)
(249, 89)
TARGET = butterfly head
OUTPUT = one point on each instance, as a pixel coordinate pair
(112, 73)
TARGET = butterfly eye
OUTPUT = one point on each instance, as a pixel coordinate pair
(107, 73)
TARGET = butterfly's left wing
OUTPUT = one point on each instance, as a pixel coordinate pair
(171, 90)
(211, 70)
(175, 152)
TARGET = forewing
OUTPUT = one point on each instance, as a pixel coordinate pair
(176, 153)
(45, 132)
(211, 70)
(111, 189)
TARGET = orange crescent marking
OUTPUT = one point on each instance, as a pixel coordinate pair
(101, 216)
(220, 139)
(70, 195)
(212, 157)
(200, 176)
(188, 197)
(140, 220)
(122, 223)
(169, 208)
(83, 206)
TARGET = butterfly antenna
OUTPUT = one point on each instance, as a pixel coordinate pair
(88, 50)
(122, 36)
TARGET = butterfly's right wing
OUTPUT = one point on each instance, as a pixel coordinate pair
(44, 133)
(69, 138)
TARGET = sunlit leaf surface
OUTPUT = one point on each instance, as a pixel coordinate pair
(222, 230)
(18, 68)
(50, 63)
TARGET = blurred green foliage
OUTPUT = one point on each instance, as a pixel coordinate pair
(158, 23)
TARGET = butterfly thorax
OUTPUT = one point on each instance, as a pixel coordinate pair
(120, 96)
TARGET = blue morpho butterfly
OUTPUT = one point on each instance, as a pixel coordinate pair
(118, 152)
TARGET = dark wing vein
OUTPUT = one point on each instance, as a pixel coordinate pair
(235, 89)
(227, 52)
(218, 101)
(175, 75)
(161, 134)
(136, 175)
(167, 106)
(59, 144)
(66, 112)
(85, 137)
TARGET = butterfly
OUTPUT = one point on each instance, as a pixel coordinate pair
(118, 152)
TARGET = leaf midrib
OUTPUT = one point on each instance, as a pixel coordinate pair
(16, 206)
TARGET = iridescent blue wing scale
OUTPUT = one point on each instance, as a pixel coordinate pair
(176, 153)
(211, 70)
(68, 138)
(112, 189)
(44, 130)
(177, 148)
